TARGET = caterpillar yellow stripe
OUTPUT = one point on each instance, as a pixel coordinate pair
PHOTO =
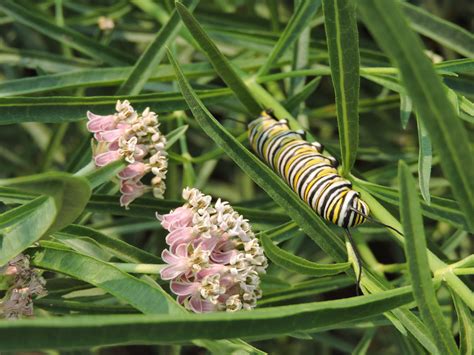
(313, 176)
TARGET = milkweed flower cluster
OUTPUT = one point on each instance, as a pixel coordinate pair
(136, 138)
(23, 283)
(214, 259)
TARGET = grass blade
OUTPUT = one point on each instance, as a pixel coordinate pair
(425, 88)
(417, 259)
(220, 63)
(64, 35)
(151, 58)
(343, 43)
(297, 264)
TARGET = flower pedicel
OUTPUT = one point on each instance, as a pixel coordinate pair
(214, 260)
(137, 139)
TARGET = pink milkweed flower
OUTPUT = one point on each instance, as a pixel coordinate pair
(214, 260)
(137, 140)
(131, 189)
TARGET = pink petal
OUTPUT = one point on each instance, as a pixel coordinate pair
(180, 235)
(106, 158)
(183, 288)
(112, 135)
(209, 243)
(168, 257)
(198, 305)
(133, 170)
(211, 270)
(182, 251)
(100, 123)
(223, 257)
(171, 272)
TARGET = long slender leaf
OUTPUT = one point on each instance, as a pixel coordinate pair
(63, 34)
(298, 22)
(429, 97)
(343, 44)
(220, 63)
(147, 298)
(118, 248)
(466, 326)
(66, 109)
(74, 332)
(149, 60)
(70, 193)
(297, 264)
(425, 159)
(439, 30)
(147, 207)
(420, 275)
(442, 209)
(24, 225)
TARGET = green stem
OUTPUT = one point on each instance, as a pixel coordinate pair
(464, 271)
(140, 268)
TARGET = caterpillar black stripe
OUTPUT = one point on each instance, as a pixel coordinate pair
(313, 176)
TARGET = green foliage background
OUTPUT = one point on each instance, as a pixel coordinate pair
(354, 74)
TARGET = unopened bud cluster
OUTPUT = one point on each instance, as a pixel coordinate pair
(136, 138)
(214, 259)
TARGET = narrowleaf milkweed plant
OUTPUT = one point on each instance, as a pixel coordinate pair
(187, 172)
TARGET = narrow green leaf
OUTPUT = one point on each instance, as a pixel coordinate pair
(294, 101)
(441, 209)
(98, 176)
(173, 136)
(425, 158)
(364, 343)
(147, 298)
(152, 56)
(298, 22)
(439, 30)
(148, 207)
(342, 37)
(417, 259)
(406, 107)
(220, 63)
(24, 225)
(63, 34)
(70, 193)
(387, 24)
(77, 331)
(466, 325)
(297, 264)
(66, 109)
(117, 247)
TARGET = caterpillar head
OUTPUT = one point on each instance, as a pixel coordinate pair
(355, 212)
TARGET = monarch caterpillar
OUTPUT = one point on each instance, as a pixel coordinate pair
(313, 176)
